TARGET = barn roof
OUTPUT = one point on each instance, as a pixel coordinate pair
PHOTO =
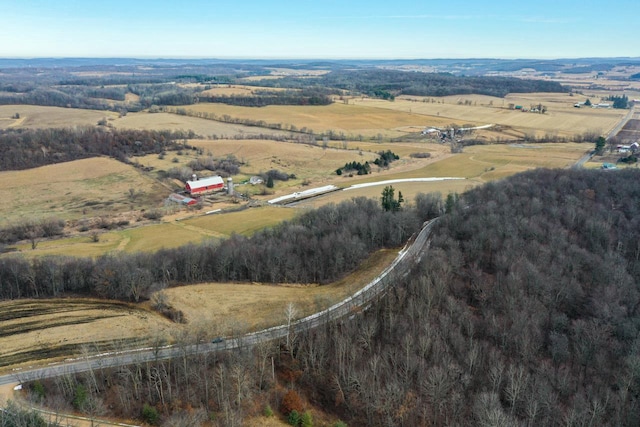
(205, 182)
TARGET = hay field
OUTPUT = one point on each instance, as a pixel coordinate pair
(350, 119)
(305, 161)
(477, 164)
(561, 118)
(409, 191)
(169, 234)
(33, 116)
(219, 90)
(245, 222)
(174, 122)
(231, 307)
(77, 246)
(71, 190)
(54, 329)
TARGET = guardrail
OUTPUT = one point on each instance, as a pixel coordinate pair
(397, 269)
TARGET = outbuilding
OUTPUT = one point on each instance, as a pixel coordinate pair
(205, 185)
(183, 200)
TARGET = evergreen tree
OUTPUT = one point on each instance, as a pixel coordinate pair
(601, 142)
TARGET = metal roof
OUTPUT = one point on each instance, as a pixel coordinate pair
(205, 182)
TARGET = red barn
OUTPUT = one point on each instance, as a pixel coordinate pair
(205, 185)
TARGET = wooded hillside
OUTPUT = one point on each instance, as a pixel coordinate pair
(523, 311)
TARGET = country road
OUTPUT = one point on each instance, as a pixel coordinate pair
(617, 128)
(398, 268)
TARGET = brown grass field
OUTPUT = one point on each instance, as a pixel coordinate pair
(562, 118)
(35, 331)
(71, 190)
(38, 330)
(351, 120)
(32, 116)
(219, 90)
(167, 121)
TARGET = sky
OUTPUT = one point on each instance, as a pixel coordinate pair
(322, 29)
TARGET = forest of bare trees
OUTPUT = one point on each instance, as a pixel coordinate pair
(30, 148)
(523, 311)
(317, 247)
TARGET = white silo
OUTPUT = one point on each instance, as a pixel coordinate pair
(230, 186)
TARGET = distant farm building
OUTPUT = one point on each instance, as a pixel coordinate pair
(204, 185)
(431, 132)
(255, 180)
(183, 200)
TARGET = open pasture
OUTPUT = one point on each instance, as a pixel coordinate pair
(33, 116)
(228, 308)
(53, 329)
(477, 164)
(175, 122)
(193, 228)
(305, 161)
(561, 118)
(238, 90)
(350, 119)
(71, 190)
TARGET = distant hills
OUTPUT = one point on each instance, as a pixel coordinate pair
(469, 66)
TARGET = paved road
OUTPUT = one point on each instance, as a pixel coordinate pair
(580, 163)
(399, 267)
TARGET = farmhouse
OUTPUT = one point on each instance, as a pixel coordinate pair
(204, 185)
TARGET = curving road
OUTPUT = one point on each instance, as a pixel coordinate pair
(398, 268)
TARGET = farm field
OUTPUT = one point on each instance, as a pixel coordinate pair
(477, 164)
(72, 190)
(222, 89)
(561, 119)
(53, 329)
(36, 330)
(175, 122)
(33, 116)
(351, 120)
(168, 234)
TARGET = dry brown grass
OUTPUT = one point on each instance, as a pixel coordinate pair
(349, 119)
(93, 187)
(219, 90)
(231, 306)
(174, 122)
(53, 329)
(562, 118)
(32, 116)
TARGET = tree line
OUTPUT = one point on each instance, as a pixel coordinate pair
(30, 148)
(314, 96)
(317, 247)
(390, 83)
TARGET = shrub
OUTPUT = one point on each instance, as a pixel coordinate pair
(153, 214)
(268, 412)
(150, 414)
(81, 397)
(423, 155)
(291, 402)
(294, 418)
(306, 420)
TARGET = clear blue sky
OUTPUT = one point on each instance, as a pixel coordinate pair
(320, 28)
